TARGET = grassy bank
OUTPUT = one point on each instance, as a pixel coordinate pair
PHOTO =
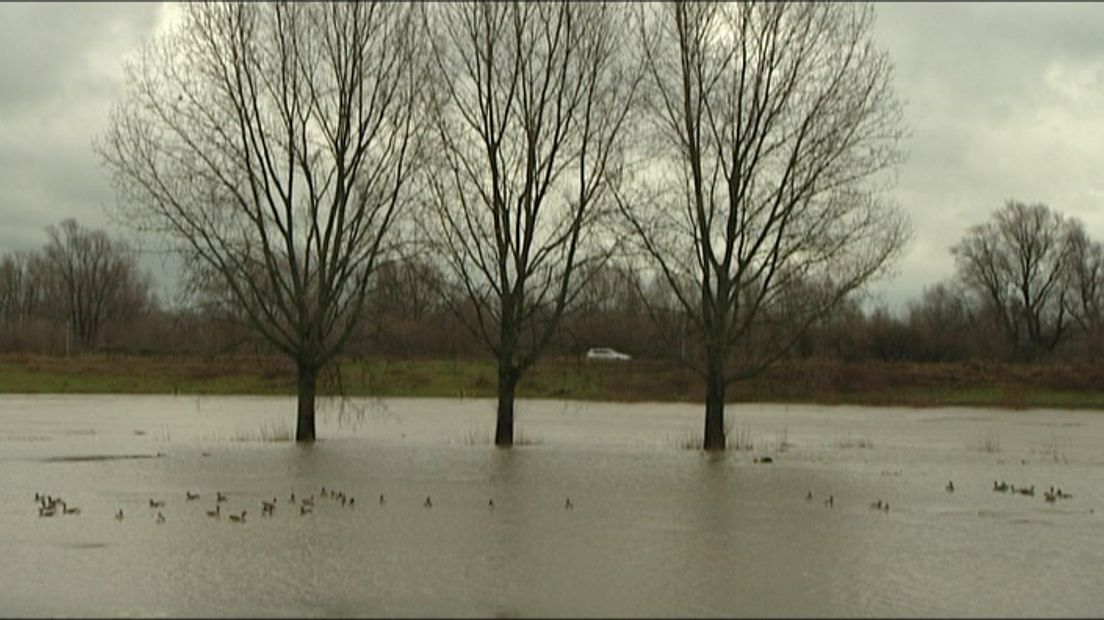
(921, 385)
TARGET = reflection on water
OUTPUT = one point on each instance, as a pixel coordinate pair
(655, 529)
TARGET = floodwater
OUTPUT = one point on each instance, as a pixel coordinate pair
(656, 529)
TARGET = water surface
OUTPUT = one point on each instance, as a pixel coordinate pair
(656, 529)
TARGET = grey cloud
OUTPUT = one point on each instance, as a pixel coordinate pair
(1003, 101)
(61, 70)
(53, 50)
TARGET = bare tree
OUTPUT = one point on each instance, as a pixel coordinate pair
(1018, 264)
(1087, 287)
(95, 278)
(22, 287)
(774, 124)
(946, 323)
(531, 105)
(272, 144)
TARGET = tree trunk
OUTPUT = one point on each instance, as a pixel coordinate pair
(504, 425)
(308, 379)
(714, 404)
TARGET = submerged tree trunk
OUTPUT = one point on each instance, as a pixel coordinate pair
(504, 424)
(308, 379)
(714, 404)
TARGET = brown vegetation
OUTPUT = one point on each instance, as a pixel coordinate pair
(1073, 385)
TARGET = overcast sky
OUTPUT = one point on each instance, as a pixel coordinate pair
(1001, 100)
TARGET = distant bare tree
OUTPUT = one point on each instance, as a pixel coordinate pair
(1086, 279)
(404, 303)
(773, 125)
(272, 145)
(946, 323)
(95, 277)
(1018, 263)
(23, 287)
(531, 106)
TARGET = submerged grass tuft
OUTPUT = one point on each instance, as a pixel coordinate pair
(484, 437)
(1052, 449)
(987, 442)
(268, 431)
(737, 437)
(689, 440)
(847, 442)
(741, 438)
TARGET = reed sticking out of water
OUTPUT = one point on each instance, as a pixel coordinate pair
(268, 431)
(987, 442)
(1050, 448)
(855, 442)
(689, 440)
(782, 439)
(738, 437)
(483, 437)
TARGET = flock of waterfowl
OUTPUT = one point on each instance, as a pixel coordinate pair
(1050, 496)
(48, 505)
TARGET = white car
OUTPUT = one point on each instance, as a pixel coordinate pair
(604, 353)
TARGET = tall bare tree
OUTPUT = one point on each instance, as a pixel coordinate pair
(272, 145)
(94, 278)
(531, 105)
(1018, 263)
(773, 125)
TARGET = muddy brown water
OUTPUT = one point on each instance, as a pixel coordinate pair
(656, 529)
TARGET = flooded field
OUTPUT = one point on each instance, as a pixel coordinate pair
(655, 528)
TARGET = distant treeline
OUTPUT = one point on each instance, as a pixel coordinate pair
(1029, 286)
